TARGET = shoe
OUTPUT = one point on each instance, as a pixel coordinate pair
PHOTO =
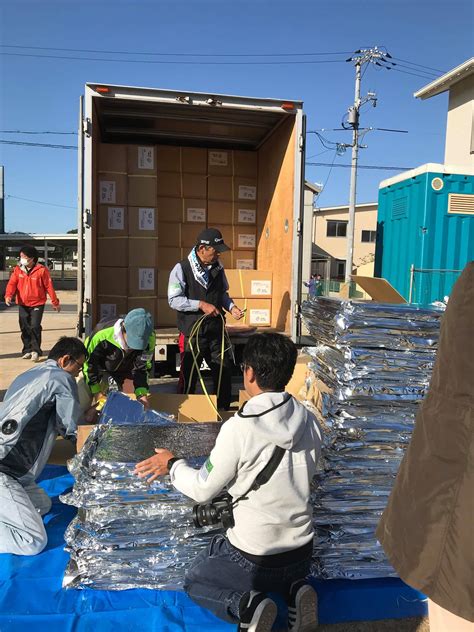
(26, 356)
(258, 613)
(34, 356)
(302, 608)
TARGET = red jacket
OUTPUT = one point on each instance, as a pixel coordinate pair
(31, 289)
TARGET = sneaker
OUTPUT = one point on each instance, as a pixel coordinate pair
(302, 608)
(26, 356)
(35, 356)
(258, 614)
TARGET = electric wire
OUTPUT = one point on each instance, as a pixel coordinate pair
(17, 197)
(26, 144)
(348, 166)
(19, 131)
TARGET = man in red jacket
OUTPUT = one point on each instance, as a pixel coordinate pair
(30, 282)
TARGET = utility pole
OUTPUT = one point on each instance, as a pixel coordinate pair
(362, 57)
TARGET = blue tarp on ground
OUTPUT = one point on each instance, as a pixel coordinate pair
(31, 593)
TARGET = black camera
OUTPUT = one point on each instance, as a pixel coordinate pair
(219, 510)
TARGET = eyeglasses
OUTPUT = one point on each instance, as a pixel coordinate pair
(243, 367)
(77, 363)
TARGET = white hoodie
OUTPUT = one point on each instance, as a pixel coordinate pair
(277, 517)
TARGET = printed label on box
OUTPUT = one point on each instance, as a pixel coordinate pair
(261, 287)
(259, 316)
(146, 159)
(107, 193)
(218, 158)
(246, 241)
(247, 192)
(146, 219)
(196, 214)
(115, 218)
(146, 279)
(246, 216)
(244, 264)
(108, 310)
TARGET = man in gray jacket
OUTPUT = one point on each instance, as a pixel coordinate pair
(40, 404)
(268, 543)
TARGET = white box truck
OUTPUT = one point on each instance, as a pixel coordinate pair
(158, 127)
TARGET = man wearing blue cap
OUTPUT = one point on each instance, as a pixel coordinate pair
(118, 350)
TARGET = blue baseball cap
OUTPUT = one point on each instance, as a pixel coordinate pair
(138, 327)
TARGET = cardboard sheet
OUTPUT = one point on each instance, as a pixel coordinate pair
(379, 290)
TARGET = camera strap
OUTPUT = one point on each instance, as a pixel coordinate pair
(265, 475)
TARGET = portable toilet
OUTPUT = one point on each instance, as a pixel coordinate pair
(425, 230)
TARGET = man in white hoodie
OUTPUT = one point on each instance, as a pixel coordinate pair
(269, 547)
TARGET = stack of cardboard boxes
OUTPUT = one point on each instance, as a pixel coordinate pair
(152, 202)
(252, 291)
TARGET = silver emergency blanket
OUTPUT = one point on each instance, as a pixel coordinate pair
(129, 533)
(376, 361)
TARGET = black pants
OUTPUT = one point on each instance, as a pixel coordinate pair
(30, 327)
(210, 346)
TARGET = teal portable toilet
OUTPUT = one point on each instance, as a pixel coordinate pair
(425, 230)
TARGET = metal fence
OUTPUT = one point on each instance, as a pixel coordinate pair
(428, 285)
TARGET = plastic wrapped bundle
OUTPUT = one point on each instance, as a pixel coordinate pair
(375, 361)
(129, 533)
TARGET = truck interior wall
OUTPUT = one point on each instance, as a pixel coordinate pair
(94, 207)
(276, 166)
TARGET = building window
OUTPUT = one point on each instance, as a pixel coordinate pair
(368, 236)
(336, 228)
(340, 269)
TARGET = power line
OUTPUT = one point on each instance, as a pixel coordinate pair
(167, 54)
(414, 74)
(184, 61)
(379, 167)
(16, 197)
(25, 144)
(420, 65)
(19, 131)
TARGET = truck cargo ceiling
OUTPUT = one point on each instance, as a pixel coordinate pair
(129, 121)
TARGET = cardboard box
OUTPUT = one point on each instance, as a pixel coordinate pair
(220, 162)
(226, 259)
(168, 158)
(220, 188)
(112, 158)
(259, 312)
(245, 164)
(111, 307)
(169, 185)
(236, 283)
(146, 302)
(227, 234)
(243, 397)
(163, 279)
(170, 209)
(189, 233)
(112, 252)
(142, 190)
(245, 238)
(243, 259)
(112, 221)
(186, 407)
(142, 281)
(194, 185)
(142, 252)
(164, 315)
(298, 378)
(112, 189)
(168, 257)
(245, 189)
(195, 211)
(169, 234)
(82, 433)
(245, 213)
(142, 221)
(219, 212)
(194, 160)
(112, 281)
(141, 160)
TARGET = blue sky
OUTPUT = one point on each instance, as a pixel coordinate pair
(42, 94)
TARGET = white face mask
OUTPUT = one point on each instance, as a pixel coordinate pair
(23, 261)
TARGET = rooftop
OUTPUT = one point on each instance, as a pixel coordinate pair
(443, 83)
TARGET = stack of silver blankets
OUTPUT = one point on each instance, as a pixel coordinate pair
(128, 533)
(375, 361)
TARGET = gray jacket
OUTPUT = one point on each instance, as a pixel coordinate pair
(40, 404)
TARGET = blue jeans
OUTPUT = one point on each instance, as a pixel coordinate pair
(220, 575)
